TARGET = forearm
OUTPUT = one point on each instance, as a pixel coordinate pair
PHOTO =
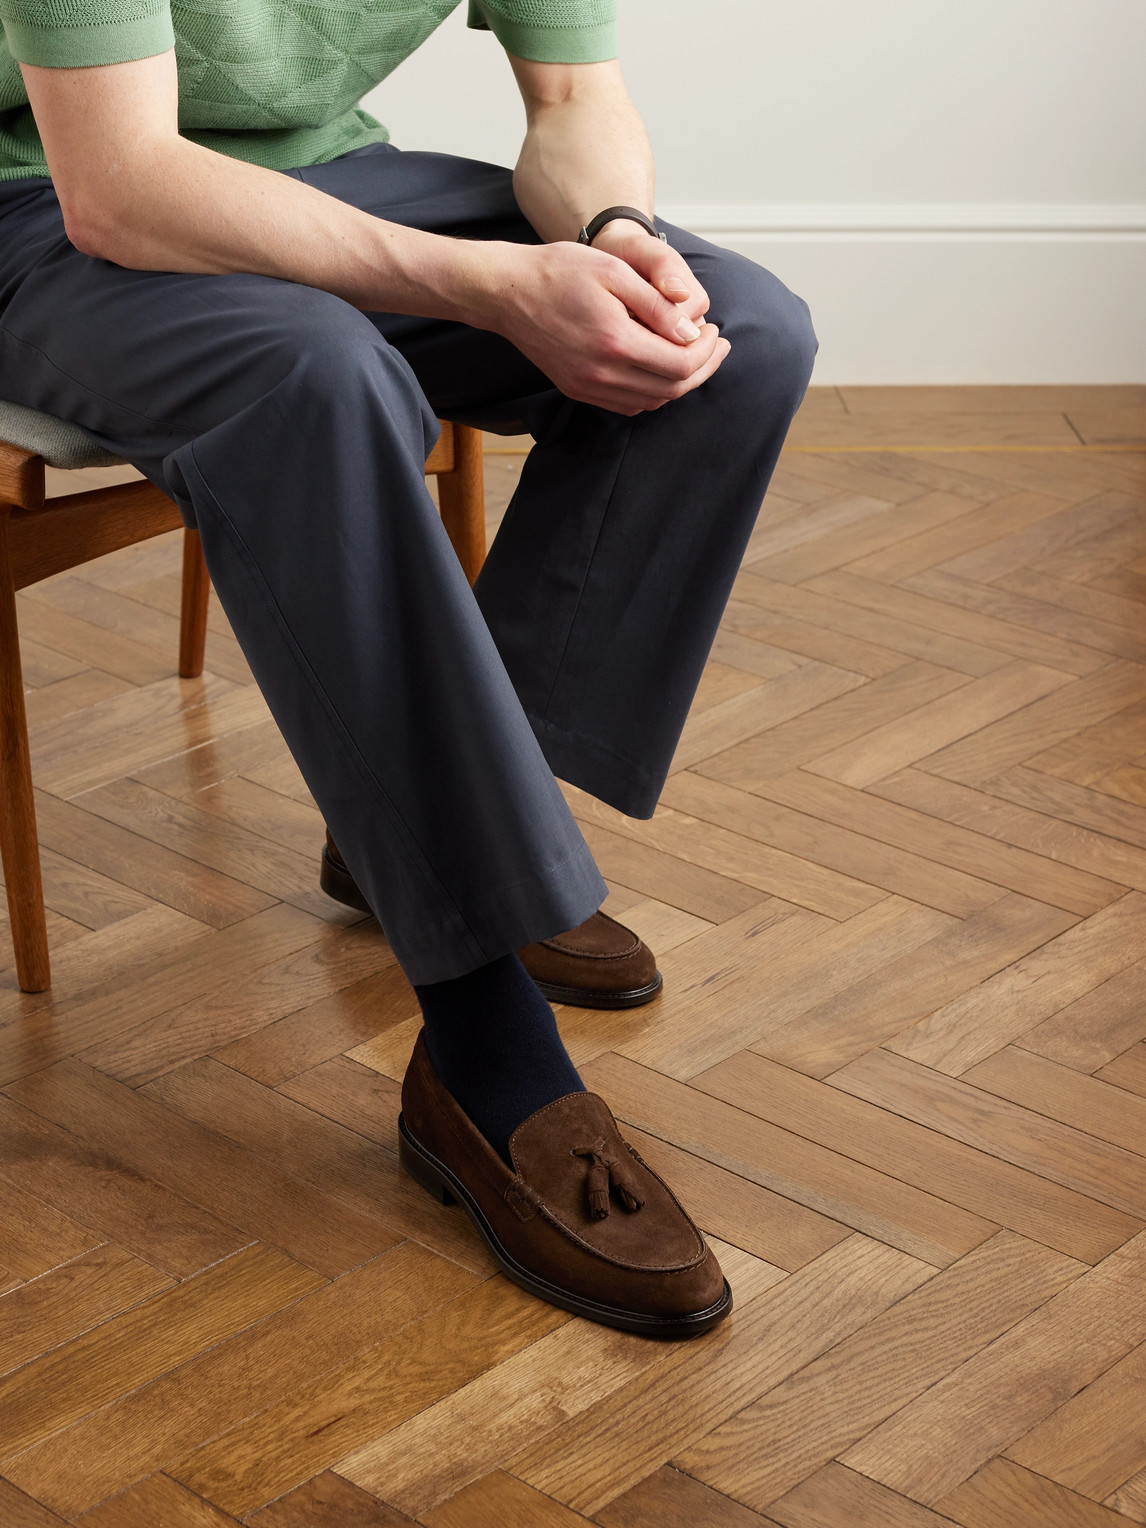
(585, 149)
(182, 207)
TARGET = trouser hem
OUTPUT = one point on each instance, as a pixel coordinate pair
(587, 764)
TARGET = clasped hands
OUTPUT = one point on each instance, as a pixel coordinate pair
(620, 325)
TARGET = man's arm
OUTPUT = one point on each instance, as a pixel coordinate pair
(586, 149)
(134, 192)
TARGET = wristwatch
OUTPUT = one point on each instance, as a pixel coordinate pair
(610, 214)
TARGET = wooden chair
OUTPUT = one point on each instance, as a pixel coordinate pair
(40, 537)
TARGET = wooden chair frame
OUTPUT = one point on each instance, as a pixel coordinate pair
(40, 537)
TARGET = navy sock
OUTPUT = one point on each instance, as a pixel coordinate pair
(493, 1041)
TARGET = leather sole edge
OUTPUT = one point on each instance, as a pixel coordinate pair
(581, 997)
(445, 1186)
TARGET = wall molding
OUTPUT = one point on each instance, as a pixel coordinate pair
(913, 293)
(914, 221)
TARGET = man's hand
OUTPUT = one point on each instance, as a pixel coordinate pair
(622, 324)
(598, 328)
(658, 263)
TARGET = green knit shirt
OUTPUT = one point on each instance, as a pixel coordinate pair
(276, 82)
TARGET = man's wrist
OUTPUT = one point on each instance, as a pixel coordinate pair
(618, 231)
(626, 213)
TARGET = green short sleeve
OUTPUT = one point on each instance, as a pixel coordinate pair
(77, 34)
(551, 31)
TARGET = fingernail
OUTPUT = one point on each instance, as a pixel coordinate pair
(674, 284)
(687, 330)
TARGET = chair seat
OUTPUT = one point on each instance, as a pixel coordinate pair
(60, 444)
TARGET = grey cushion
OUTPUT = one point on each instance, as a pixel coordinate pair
(59, 443)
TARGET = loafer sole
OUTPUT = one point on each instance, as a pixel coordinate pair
(445, 1186)
(589, 997)
(338, 883)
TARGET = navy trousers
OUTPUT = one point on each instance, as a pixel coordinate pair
(429, 721)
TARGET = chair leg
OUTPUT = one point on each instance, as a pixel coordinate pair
(193, 616)
(19, 849)
(461, 497)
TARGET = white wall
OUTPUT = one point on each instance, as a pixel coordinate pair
(957, 188)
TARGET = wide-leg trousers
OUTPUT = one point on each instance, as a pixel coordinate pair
(428, 720)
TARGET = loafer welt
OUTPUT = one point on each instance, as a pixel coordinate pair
(598, 964)
(582, 1222)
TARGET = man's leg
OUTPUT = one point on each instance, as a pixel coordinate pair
(607, 580)
(294, 436)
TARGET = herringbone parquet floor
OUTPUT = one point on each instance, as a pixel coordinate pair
(898, 889)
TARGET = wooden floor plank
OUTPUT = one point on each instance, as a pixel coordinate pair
(670, 1499)
(792, 694)
(896, 745)
(697, 889)
(140, 1432)
(779, 748)
(1093, 1029)
(772, 870)
(956, 1108)
(974, 1026)
(804, 1422)
(1035, 875)
(1130, 1499)
(775, 535)
(1086, 1103)
(694, 1027)
(955, 1170)
(499, 1500)
(159, 1499)
(21, 1511)
(155, 1144)
(1058, 532)
(35, 1236)
(797, 833)
(1014, 739)
(148, 868)
(938, 1441)
(903, 991)
(835, 1496)
(899, 602)
(277, 1136)
(1085, 1444)
(314, 964)
(468, 1434)
(1006, 603)
(807, 640)
(863, 537)
(312, 1429)
(1001, 1495)
(599, 1454)
(136, 1346)
(1127, 1071)
(314, 1032)
(151, 1221)
(804, 1170)
(327, 1501)
(889, 631)
(71, 1300)
(1040, 828)
(981, 526)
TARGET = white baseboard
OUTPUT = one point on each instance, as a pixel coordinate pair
(955, 293)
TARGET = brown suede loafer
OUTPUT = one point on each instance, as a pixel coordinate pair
(583, 1222)
(599, 964)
